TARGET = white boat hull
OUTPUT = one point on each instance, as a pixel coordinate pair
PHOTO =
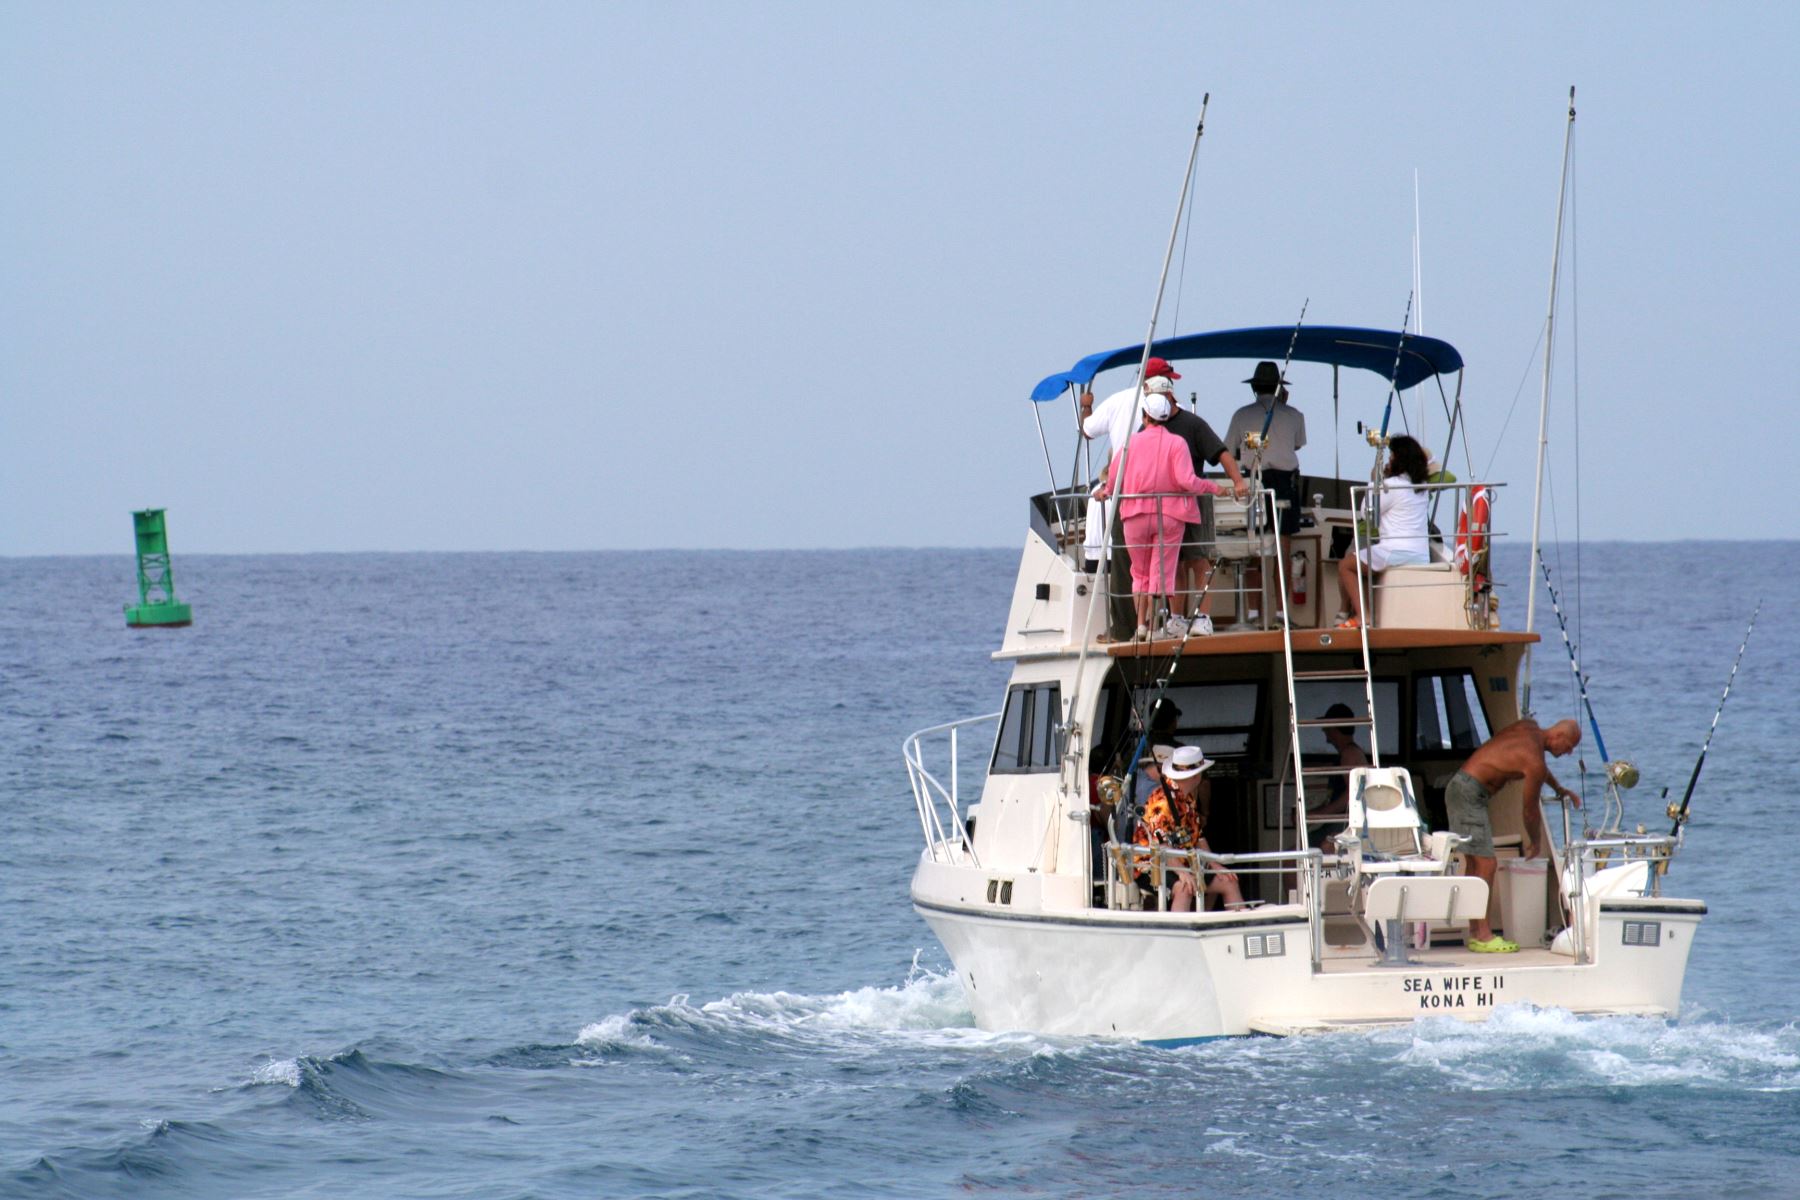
(1183, 977)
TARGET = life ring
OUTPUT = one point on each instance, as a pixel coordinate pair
(1472, 529)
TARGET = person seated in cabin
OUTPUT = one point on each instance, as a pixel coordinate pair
(1350, 754)
(1403, 537)
(1516, 752)
(1176, 817)
(1155, 475)
(1144, 777)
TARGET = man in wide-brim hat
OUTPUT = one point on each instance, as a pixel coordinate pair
(1279, 455)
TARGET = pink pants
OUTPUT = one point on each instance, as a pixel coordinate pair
(1155, 545)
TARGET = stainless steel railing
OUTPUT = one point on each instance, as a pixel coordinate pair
(1472, 577)
(1126, 862)
(1224, 534)
(932, 795)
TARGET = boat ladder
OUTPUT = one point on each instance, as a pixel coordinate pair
(1301, 772)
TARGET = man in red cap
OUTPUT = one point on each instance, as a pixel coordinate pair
(1115, 419)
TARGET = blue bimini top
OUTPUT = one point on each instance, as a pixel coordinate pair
(1339, 345)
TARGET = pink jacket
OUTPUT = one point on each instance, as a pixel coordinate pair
(1159, 461)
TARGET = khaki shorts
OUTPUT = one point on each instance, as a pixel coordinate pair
(1466, 804)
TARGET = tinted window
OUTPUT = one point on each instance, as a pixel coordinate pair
(1315, 697)
(1030, 736)
(1447, 716)
(1218, 717)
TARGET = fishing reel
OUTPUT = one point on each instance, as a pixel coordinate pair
(1109, 790)
(1623, 772)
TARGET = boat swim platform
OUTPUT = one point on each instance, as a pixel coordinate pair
(1335, 641)
(1303, 1026)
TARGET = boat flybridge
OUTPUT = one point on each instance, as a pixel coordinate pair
(1355, 902)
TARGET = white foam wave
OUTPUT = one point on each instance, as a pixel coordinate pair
(615, 1032)
(284, 1071)
(1521, 1044)
(928, 1007)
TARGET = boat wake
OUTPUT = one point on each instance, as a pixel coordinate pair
(928, 1009)
(1524, 1046)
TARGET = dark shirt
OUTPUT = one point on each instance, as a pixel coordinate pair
(1203, 443)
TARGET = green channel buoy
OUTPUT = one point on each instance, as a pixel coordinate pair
(157, 607)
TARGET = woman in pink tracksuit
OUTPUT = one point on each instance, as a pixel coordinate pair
(1156, 461)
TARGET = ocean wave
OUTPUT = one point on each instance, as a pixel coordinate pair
(929, 1008)
(347, 1086)
(132, 1163)
(1526, 1046)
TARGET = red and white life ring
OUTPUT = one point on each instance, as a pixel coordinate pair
(1472, 529)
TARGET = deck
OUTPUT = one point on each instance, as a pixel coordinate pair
(1312, 640)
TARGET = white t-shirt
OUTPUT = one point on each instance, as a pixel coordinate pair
(1111, 419)
(1405, 536)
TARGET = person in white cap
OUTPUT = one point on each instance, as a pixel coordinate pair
(1154, 476)
(1115, 419)
(1176, 817)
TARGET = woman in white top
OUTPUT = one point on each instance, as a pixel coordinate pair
(1403, 538)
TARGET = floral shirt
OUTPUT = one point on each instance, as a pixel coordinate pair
(1170, 819)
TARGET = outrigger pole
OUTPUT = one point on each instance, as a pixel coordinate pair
(1537, 494)
(1137, 403)
(1379, 441)
(1679, 814)
(1187, 179)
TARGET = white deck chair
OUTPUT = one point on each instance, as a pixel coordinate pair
(1386, 833)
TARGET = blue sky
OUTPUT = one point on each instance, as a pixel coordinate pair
(573, 276)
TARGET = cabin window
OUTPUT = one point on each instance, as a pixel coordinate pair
(1447, 716)
(1315, 697)
(1220, 718)
(1030, 730)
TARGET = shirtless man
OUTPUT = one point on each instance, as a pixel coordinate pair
(1516, 752)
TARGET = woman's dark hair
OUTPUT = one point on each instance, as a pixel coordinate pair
(1406, 457)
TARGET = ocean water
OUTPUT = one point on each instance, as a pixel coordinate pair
(570, 875)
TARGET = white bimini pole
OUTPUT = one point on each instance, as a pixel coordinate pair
(1537, 493)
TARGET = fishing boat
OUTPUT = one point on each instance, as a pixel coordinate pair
(1356, 900)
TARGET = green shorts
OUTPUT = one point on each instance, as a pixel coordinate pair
(1466, 804)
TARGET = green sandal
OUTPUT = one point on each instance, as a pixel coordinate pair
(1494, 945)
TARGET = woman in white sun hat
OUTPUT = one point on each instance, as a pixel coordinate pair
(1176, 816)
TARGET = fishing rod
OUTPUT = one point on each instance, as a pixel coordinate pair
(1679, 814)
(1394, 377)
(1294, 340)
(1620, 774)
(1144, 718)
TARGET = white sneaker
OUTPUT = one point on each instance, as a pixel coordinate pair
(1201, 625)
(1142, 634)
(1174, 627)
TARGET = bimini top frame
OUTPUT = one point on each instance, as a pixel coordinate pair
(1339, 345)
